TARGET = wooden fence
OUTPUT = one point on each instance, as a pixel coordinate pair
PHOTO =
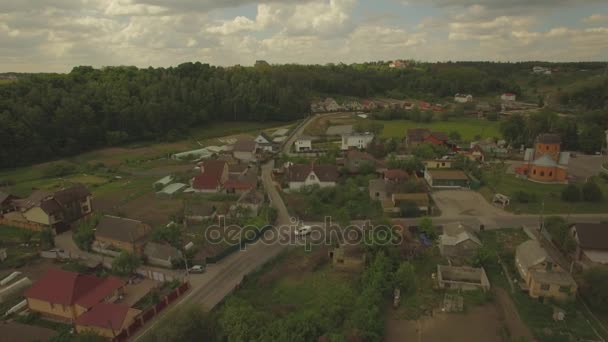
(22, 224)
(149, 314)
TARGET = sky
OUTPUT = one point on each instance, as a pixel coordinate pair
(56, 35)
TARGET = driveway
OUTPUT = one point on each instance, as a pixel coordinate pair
(585, 166)
(464, 203)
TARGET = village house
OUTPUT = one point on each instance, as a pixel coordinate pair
(106, 319)
(437, 178)
(303, 144)
(463, 98)
(458, 240)
(299, 175)
(356, 140)
(395, 175)
(463, 278)
(244, 181)
(475, 154)
(541, 70)
(265, 143)
(57, 210)
(353, 105)
(542, 277)
(508, 97)
(591, 242)
(121, 233)
(348, 257)
(65, 296)
(251, 200)
(160, 254)
(398, 64)
(214, 173)
(409, 105)
(380, 189)
(244, 150)
(545, 162)
(417, 136)
(369, 105)
(438, 164)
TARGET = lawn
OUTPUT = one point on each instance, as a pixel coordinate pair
(550, 194)
(468, 128)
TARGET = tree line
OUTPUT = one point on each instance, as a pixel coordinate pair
(45, 116)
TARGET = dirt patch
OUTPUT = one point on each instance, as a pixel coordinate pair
(464, 202)
(517, 329)
(135, 292)
(479, 324)
(151, 209)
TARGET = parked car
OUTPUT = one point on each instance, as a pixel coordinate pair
(197, 269)
(303, 230)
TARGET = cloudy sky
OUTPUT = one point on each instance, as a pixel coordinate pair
(55, 35)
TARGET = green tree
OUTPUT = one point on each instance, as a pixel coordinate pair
(592, 192)
(455, 136)
(405, 278)
(242, 322)
(595, 288)
(47, 238)
(426, 226)
(591, 139)
(84, 235)
(125, 264)
(571, 193)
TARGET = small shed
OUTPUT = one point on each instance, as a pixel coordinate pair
(462, 278)
(163, 182)
(171, 189)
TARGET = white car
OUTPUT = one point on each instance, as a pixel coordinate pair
(303, 230)
(197, 269)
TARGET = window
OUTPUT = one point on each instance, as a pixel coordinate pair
(545, 287)
(534, 171)
(85, 208)
(542, 173)
(547, 148)
(550, 173)
(312, 177)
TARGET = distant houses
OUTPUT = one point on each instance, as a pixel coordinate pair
(539, 70)
(417, 136)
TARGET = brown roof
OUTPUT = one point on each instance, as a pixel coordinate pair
(420, 198)
(6, 197)
(396, 174)
(548, 138)
(50, 206)
(417, 134)
(210, 176)
(325, 173)
(33, 199)
(448, 174)
(120, 229)
(356, 154)
(71, 194)
(592, 235)
(237, 168)
(244, 145)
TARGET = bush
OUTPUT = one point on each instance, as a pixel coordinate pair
(592, 192)
(524, 197)
(59, 169)
(125, 264)
(571, 193)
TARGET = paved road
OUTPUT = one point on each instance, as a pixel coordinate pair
(220, 279)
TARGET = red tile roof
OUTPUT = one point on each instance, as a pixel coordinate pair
(62, 287)
(210, 176)
(105, 315)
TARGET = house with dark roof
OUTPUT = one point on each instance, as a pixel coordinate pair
(417, 136)
(299, 175)
(441, 178)
(160, 254)
(243, 182)
(56, 209)
(214, 173)
(542, 277)
(252, 200)
(395, 175)
(121, 233)
(355, 161)
(458, 240)
(591, 242)
(106, 319)
(244, 149)
(67, 295)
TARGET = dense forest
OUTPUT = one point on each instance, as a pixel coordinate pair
(45, 116)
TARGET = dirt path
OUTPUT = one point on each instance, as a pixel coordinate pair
(516, 326)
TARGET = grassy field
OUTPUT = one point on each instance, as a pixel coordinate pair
(550, 194)
(468, 128)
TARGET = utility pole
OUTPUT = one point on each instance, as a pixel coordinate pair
(542, 219)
